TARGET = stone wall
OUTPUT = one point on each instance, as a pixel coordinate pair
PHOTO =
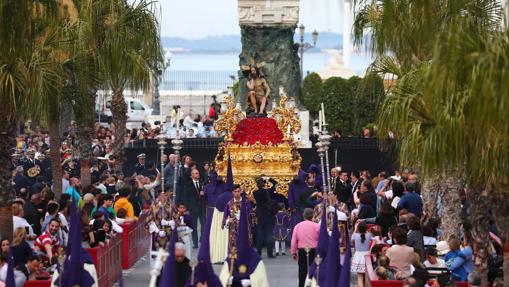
(275, 47)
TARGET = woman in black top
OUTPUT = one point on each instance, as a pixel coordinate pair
(365, 209)
(21, 250)
(386, 218)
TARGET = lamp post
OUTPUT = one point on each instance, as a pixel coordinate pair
(304, 46)
(162, 144)
(157, 76)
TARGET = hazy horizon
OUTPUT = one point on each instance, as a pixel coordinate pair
(198, 19)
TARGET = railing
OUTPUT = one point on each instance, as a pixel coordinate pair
(135, 241)
(108, 261)
(196, 80)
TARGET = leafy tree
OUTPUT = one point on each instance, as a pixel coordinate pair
(311, 95)
(338, 98)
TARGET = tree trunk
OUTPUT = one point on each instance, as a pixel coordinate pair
(85, 134)
(431, 188)
(450, 187)
(66, 116)
(479, 217)
(500, 210)
(119, 114)
(7, 142)
(54, 153)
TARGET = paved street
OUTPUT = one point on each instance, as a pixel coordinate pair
(282, 272)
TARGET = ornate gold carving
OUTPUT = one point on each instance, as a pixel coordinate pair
(278, 161)
(228, 120)
(285, 117)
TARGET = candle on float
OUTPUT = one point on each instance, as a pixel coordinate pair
(323, 115)
(320, 120)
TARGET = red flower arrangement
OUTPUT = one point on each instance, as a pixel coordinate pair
(252, 130)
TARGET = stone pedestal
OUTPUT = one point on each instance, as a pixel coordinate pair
(267, 30)
(304, 141)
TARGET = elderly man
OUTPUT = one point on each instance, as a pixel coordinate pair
(194, 199)
(183, 268)
(169, 170)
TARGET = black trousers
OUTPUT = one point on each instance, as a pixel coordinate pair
(198, 216)
(264, 236)
(303, 264)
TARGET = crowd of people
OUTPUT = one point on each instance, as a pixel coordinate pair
(383, 213)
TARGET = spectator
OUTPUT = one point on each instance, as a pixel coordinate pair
(385, 262)
(106, 203)
(411, 201)
(19, 221)
(400, 254)
(88, 203)
(52, 212)
(456, 260)
(385, 218)
(420, 271)
(21, 250)
(365, 208)
(305, 235)
(6, 244)
(361, 239)
(432, 260)
(31, 268)
(414, 236)
(47, 243)
(122, 202)
(428, 238)
(474, 279)
(33, 212)
(74, 190)
(20, 180)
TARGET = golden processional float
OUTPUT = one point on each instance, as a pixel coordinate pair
(259, 145)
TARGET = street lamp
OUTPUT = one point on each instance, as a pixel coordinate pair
(157, 75)
(304, 46)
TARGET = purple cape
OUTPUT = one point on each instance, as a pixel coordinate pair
(204, 271)
(247, 257)
(169, 272)
(323, 244)
(213, 189)
(332, 261)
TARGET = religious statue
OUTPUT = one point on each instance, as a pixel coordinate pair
(258, 89)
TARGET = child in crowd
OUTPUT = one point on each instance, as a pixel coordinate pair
(281, 229)
(184, 227)
(384, 262)
(361, 239)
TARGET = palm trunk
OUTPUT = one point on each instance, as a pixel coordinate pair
(450, 187)
(54, 153)
(66, 116)
(85, 134)
(7, 141)
(479, 217)
(119, 113)
(500, 207)
(431, 188)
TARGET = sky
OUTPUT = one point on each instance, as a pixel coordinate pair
(195, 19)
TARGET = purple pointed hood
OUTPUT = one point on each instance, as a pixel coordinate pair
(247, 257)
(323, 244)
(9, 279)
(169, 272)
(344, 279)
(74, 273)
(332, 262)
(295, 188)
(204, 271)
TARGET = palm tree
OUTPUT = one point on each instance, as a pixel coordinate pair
(27, 74)
(131, 46)
(446, 108)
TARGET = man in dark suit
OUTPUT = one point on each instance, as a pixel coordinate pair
(343, 188)
(265, 217)
(194, 199)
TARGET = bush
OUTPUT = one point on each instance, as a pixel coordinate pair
(349, 104)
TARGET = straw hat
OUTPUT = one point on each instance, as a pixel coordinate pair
(442, 248)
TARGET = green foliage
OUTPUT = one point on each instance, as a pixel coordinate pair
(311, 93)
(350, 105)
(235, 88)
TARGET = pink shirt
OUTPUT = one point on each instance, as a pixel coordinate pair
(305, 234)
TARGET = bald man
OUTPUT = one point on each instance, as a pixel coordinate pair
(194, 199)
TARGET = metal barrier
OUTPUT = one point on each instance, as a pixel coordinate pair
(135, 241)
